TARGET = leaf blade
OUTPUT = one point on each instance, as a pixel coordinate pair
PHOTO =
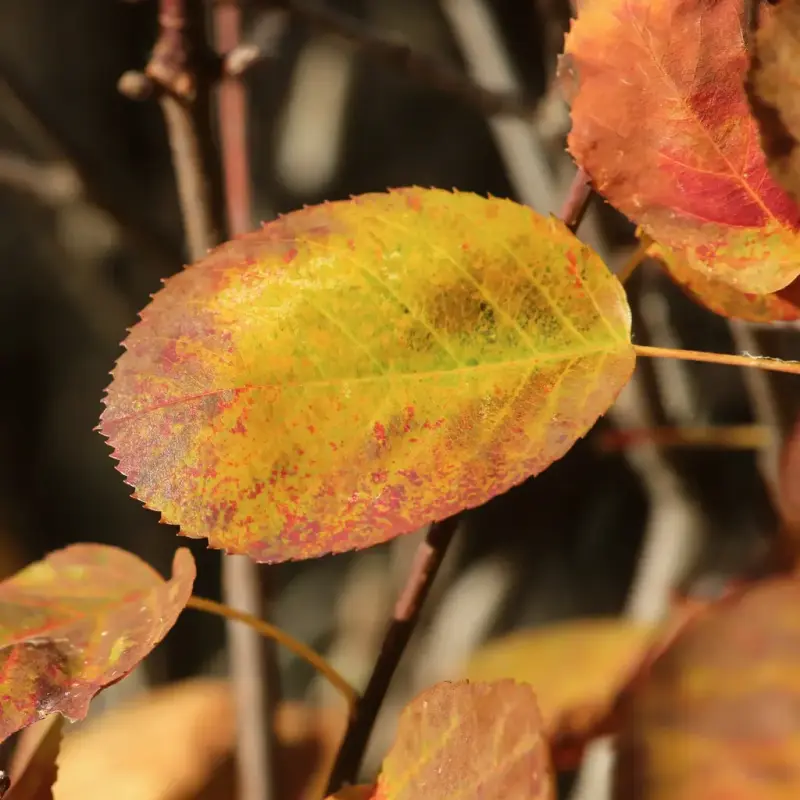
(662, 125)
(469, 740)
(78, 621)
(355, 370)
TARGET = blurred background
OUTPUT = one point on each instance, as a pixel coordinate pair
(601, 532)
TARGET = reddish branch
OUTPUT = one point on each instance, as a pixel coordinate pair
(427, 560)
(577, 202)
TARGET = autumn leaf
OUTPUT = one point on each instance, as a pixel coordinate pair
(179, 741)
(469, 740)
(661, 123)
(726, 300)
(773, 89)
(718, 714)
(608, 651)
(78, 621)
(355, 370)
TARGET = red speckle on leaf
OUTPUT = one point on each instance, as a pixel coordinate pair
(380, 434)
(290, 255)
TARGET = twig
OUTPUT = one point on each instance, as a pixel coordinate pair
(752, 10)
(577, 203)
(396, 53)
(178, 68)
(265, 629)
(252, 659)
(635, 258)
(426, 564)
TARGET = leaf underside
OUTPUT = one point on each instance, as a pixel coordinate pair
(469, 740)
(661, 123)
(78, 621)
(355, 370)
(727, 301)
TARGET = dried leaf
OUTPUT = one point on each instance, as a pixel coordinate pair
(469, 740)
(727, 301)
(718, 715)
(608, 650)
(178, 742)
(355, 370)
(773, 88)
(78, 621)
(34, 777)
(661, 124)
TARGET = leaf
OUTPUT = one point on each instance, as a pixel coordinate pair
(726, 300)
(718, 716)
(464, 740)
(773, 89)
(33, 778)
(661, 124)
(607, 650)
(355, 370)
(178, 742)
(78, 621)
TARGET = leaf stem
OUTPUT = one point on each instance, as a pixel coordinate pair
(427, 560)
(751, 362)
(269, 631)
(635, 258)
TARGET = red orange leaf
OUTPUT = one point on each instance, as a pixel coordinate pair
(717, 716)
(660, 122)
(774, 81)
(469, 740)
(726, 300)
(355, 370)
(77, 621)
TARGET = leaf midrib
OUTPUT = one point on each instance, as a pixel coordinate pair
(384, 377)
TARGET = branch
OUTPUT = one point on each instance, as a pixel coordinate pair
(253, 662)
(427, 560)
(392, 51)
(576, 205)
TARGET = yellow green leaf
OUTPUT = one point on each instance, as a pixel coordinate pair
(575, 665)
(355, 370)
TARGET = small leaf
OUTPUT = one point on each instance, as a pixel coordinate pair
(727, 301)
(773, 86)
(607, 650)
(78, 621)
(661, 123)
(34, 778)
(717, 716)
(469, 740)
(355, 370)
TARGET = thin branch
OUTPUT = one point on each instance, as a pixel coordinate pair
(253, 664)
(178, 68)
(275, 634)
(577, 203)
(751, 362)
(428, 559)
(727, 437)
(393, 51)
